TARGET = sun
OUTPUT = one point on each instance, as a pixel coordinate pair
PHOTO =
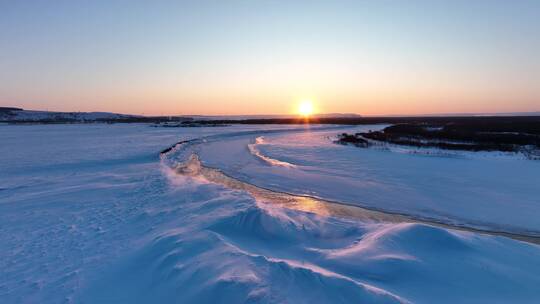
(305, 108)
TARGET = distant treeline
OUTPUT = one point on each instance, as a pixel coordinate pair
(149, 119)
(508, 134)
(440, 120)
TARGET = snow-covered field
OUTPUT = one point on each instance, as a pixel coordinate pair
(29, 115)
(93, 214)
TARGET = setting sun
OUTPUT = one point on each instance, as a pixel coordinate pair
(305, 108)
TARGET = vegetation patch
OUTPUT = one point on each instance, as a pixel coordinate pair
(505, 136)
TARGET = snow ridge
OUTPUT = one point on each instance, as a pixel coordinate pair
(273, 162)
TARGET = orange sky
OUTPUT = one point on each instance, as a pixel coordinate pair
(251, 57)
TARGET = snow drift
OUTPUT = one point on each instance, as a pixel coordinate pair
(91, 214)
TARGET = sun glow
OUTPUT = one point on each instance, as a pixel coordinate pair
(305, 108)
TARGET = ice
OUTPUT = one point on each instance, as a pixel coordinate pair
(483, 192)
(93, 214)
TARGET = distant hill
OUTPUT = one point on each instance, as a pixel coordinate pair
(8, 109)
(18, 115)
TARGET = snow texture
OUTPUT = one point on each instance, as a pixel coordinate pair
(93, 214)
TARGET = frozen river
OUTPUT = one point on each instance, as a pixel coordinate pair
(487, 192)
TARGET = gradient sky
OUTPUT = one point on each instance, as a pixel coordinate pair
(262, 57)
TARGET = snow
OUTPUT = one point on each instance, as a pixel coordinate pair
(495, 193)
(92, 214)
(255, 151)
(30, 115)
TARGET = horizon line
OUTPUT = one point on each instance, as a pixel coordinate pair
(294, 114)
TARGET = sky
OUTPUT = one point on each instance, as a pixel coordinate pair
(264, 57)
